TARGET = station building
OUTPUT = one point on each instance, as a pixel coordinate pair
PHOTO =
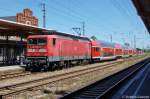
(13, 47)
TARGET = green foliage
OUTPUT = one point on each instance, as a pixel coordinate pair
(93, 37)
(138, 49)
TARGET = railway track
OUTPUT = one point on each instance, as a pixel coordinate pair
(21, 73)
(31, 84)
(14, 75)
(17, 88)
(102, 88)
(11, 75)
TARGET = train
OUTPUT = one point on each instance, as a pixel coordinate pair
(46, 52)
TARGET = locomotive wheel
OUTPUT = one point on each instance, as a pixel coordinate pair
(51, 68)
(36, 68)
(66, 64)
(69, 64)
(27, 68)
(44, 69)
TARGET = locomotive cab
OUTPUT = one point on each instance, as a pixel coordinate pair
(37, 51)
(47, 52)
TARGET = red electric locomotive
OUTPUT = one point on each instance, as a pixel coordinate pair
(48, 51)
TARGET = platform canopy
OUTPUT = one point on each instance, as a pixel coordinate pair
(9, 28)
(143, 9)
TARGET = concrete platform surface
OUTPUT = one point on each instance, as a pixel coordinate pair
(137, 87)
(10, 69)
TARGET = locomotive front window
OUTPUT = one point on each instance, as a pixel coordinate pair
(42, 41)
(32, 41)
(37, 41)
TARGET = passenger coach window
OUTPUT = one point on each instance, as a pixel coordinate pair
(97, 49)
(54, 41)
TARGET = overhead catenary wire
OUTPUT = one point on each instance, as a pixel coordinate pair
(72, 16)
(124, 12)
(95, 13)
(92, 20)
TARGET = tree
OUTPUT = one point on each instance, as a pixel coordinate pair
(138, 49)
(93, 37)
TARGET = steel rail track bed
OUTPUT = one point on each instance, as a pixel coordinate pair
(70, 74)
(101, 88)
(14, 75)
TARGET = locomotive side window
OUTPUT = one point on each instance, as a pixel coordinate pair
(54, 41)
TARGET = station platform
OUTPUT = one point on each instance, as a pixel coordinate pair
(9, 69)
(137, 87)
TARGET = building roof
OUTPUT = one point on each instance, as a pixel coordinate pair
(11, 28)
(143, 9)
(9, 18)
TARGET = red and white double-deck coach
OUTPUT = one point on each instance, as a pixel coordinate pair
(103, 50)
(119, 51)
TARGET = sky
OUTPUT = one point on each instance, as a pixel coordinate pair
(102, 18)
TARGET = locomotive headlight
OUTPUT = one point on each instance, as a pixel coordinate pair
(42, 50)
(31, 50)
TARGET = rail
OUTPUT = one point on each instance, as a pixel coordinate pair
(101, 88)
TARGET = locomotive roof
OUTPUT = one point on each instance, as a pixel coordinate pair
(69, 35)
